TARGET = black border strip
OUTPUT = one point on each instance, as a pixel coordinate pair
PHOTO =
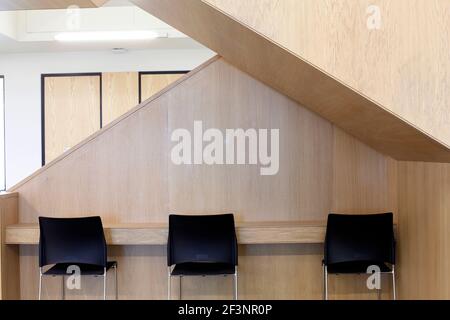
(53, 75)
(141, 73)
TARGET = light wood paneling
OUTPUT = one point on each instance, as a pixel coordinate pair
(120, 93)
(424, 223)
(9, 255)
(156, 233)
(6, 5)
(391, 65)
(124, 174)
(286, 71)
(71, 111)
(301, 190)
(364, 181)
(153, 83)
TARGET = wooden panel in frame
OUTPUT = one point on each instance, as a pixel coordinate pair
(119, 94)
(71, 108)
(151, 82)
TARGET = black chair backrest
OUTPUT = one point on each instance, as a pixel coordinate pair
(72, 240)
(207, 238)
(360, 238)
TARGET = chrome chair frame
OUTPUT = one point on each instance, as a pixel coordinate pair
(63, 291)
(325, 282)
(169, 280)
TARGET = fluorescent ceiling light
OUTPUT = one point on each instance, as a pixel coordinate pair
(106, 35)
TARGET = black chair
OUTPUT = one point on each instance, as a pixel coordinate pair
(202, 246)
(80, 242)
(355, 242)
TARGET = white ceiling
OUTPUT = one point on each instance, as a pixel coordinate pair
(34, 30)
(7, 45)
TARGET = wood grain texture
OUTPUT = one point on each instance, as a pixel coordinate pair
(424, 221)
(9, 255)
(7, 5)
(364, 181)
(153, 83)
(156, 233)
(72, 112)
(299, 191)
(120, 93)
(289, 73)
(124, 174)
(390, 65)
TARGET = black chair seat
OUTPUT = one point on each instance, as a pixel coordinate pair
(202, 269)
(60, 269)
(355, 267)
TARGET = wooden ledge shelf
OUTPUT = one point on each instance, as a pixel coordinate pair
(156, 233)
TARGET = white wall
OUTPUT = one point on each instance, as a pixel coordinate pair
(23, 92)
(8, 23)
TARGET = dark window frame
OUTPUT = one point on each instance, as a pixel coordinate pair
(141, 73)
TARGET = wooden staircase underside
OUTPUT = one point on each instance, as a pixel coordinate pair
(285, 71)
(305, 83)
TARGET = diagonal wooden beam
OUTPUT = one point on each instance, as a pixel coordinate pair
(300, 80)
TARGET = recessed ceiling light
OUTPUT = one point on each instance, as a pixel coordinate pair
(106, 35)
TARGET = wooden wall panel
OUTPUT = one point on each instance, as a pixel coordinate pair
(9, 255)
(153, 83)
(120, 93)
(391, 65)
(424, 221)
(120, 175)
(72, 111)
(124, 173)
(363, 179)
(300, 190)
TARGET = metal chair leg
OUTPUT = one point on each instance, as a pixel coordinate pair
(116, 282)
(393, 283)
(180, 297)
(325, 282)
(236, 283)
(40, 283)
(169, 284)
(104, 284)
(63, 287)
